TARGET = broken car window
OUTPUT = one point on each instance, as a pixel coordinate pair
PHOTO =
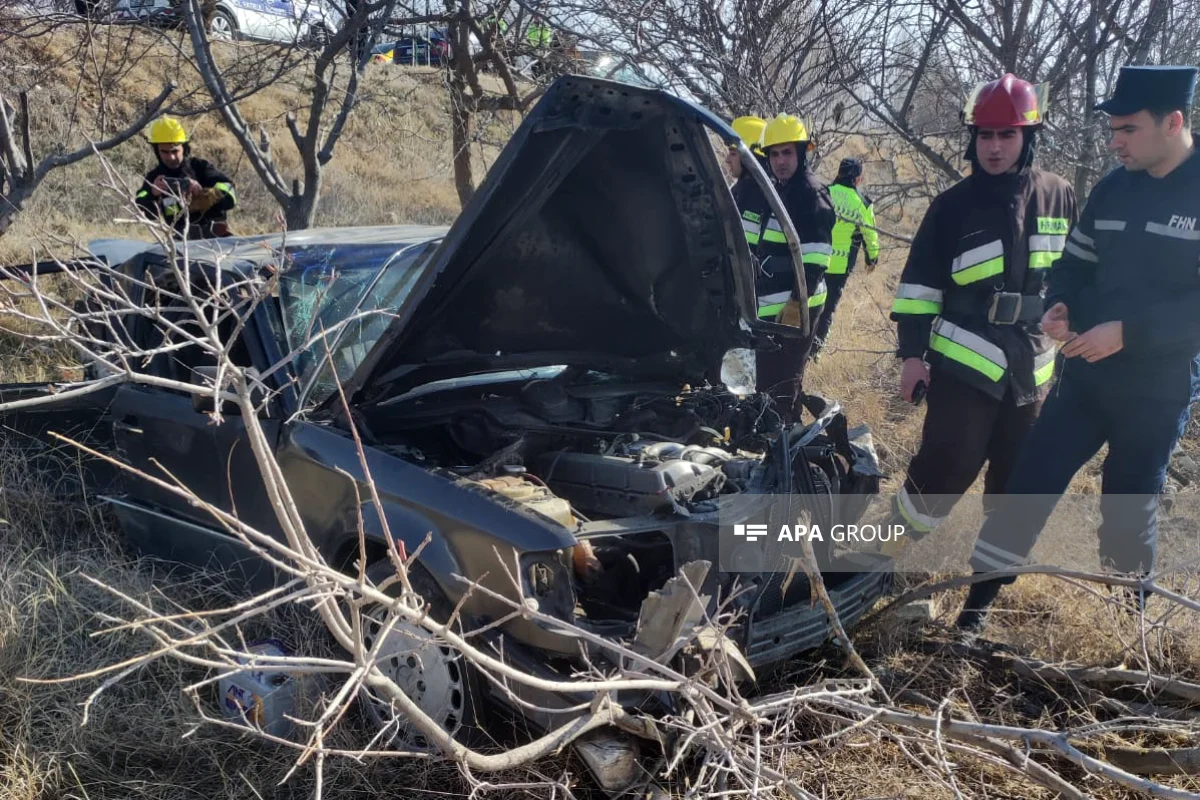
(327, 285)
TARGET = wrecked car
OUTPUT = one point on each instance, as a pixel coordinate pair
(547, 389)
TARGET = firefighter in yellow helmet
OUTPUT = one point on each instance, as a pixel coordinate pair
(188, 192)
(786, 143)
(749, 129)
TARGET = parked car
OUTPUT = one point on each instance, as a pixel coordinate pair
(283, 21)
(420, 48)
(548, 378)
(414, 50)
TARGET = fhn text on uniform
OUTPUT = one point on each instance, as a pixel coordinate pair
(841, 534)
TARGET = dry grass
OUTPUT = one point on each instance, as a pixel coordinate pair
(139, 740)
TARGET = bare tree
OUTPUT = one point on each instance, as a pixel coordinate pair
(469, 99)
(735, 58)
(27, 159)
(21, 173)
(337, 71)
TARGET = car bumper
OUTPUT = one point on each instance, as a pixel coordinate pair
(802, 627)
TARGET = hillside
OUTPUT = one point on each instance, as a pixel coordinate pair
(392, 164)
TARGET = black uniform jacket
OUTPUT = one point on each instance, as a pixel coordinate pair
(971, 295)
(810, 208)
(1135, 257)
(205, 174)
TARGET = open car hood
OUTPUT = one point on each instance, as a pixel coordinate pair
(603, 236)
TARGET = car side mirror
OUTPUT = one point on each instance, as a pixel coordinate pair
(202, 401)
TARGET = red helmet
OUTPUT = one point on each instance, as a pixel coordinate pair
(1005, 103)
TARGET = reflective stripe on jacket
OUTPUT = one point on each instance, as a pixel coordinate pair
(808, 204)
(981, 236)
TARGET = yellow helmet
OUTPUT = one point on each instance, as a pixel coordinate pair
(749, 129)
(783, 129)
(168, 130)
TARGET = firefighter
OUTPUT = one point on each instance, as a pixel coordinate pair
(786, 144)
(968, 306)
(749, 129)
(746, 193)
(1125, 301)
(188, 192)
(855, 227)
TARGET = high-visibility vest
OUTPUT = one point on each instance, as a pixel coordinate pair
(854, 216)
(540, 35)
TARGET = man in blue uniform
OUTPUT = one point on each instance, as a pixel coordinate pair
(1125, 302)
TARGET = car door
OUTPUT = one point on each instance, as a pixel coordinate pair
(251, 17)
(43, 464)
(240, 488)
(159, 433)
(274, 20)
(170, 437)
(283, 22)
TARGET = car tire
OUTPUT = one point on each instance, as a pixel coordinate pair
(437, 677)
(221, 27)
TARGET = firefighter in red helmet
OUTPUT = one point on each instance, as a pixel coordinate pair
(969, 303)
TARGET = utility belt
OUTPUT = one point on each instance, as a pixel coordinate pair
(1002, 308)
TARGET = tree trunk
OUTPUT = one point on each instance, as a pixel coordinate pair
(301, 211)
(1087, 147)
(460, 123)
(1156, 20)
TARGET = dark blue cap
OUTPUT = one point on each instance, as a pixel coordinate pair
(1159, 87)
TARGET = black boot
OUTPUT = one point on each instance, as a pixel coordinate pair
(974, 615)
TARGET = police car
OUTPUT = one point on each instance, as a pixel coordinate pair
(227, 20)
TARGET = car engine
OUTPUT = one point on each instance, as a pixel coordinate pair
(636, 458)
(610, 449)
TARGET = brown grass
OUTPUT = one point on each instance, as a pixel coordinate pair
(139, 740)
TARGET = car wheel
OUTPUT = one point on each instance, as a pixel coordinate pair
(221, 27)
(437, 677)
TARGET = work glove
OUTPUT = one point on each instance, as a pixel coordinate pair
(871, 263)
(790, 315)
(203, 200)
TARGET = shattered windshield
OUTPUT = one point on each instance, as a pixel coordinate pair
(349, 292)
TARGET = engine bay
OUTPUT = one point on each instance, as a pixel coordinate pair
(581, 450)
